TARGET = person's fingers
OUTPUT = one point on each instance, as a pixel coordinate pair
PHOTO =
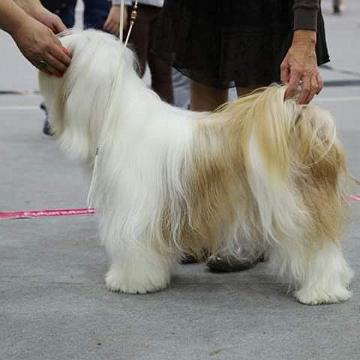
(54, 71)
(66, 51)
(305, 90)
(58, 25)
(43, 67)
(61, 55)
(59, 67)
(320, 82)
(115, 26)
(115, 29)
(107, 24)
(54, 39)
(295, 77)
(47, 68)
(314, 88)
(40, 46)
(44, 70)
(112, 26)
(284, 73)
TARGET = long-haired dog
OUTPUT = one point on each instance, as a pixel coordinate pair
(260, 173)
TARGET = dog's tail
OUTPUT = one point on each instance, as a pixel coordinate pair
(293, 161)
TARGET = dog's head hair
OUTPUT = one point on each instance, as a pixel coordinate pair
(77, 102)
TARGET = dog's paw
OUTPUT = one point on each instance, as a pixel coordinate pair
(135, 283)
(316, 296)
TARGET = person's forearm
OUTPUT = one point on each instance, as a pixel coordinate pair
(305, 14)
(30, 6)
(305, 37)
(11, 16)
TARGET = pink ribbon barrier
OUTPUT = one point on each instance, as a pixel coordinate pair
(6, 215)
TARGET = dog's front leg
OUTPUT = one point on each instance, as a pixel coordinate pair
(136, 268)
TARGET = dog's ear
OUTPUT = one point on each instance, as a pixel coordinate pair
(53, 91)
(69, 113)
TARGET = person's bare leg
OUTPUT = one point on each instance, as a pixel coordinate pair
(206, 98)
(244, 261)
(243, 91)
(338, 6)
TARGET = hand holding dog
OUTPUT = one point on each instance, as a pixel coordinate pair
(33, 27)
(39, 44)
(300, 67)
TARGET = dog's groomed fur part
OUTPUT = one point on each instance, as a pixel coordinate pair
(260, 174)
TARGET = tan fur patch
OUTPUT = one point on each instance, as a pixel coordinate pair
(298, 151)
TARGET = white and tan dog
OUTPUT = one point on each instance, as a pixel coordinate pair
(260, 173)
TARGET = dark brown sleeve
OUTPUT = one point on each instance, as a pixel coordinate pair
(305, 14)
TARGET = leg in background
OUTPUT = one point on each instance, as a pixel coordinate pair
(140, 38)
(224, 262)
(205, 98)
(161, 80)
(338, 6)
(243, 91)
(161, 72)
(181, 86)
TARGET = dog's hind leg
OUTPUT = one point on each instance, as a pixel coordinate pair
(136, 268)
(327, 277)
(318, 272)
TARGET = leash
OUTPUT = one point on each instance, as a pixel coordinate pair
(30, 214)
(133, 17)
(94, 177)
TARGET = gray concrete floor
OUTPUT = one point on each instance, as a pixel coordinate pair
(53, 302)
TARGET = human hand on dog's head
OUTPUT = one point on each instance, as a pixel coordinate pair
(41, 47)
(299, 68)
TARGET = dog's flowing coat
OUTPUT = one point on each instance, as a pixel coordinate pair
(261, 173)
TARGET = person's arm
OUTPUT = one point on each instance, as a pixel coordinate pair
(299, 66)
(11, 16)
(35, 9)
(35, 40)
(305, 14)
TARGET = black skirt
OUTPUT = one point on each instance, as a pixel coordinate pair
(225, 43)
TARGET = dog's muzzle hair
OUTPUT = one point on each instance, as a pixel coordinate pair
(260, 174)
